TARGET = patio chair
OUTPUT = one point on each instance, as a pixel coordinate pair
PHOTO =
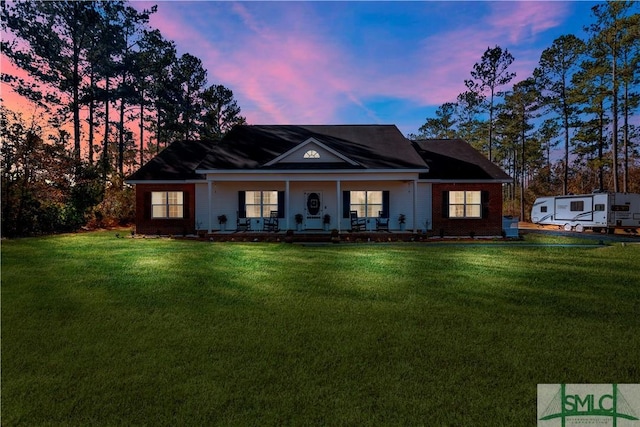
(242, 224)
(382, 223)
(271, 223)
(357, 224)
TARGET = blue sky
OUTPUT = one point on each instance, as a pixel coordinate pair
(353, 62)
(358, 62)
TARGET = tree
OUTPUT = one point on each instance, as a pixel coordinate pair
(470, 128)
(151, 64)
(611, 35)
(488, 75)
(516, 115)
(131, 23)
(54, 37)
(443, 126)
(630, 78)
(39, 192)
(190, 78)
(221, 112)
(554, 72)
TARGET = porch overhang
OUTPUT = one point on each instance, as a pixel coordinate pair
(313, 175)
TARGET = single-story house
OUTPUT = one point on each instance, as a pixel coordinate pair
(322, 175)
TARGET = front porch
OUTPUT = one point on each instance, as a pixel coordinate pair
(308, 203)
(290, 236)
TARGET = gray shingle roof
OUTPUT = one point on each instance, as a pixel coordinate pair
(370, 146)
(456, 159)
(176, 162)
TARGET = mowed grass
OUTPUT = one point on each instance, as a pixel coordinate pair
(104, 331)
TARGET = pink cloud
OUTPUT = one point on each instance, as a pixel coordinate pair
(292, 73)
(521, 20)
(447, 58)
(289, 76)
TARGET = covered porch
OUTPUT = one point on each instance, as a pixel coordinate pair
(312, 203)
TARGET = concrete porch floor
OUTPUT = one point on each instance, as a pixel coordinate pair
(315, 236)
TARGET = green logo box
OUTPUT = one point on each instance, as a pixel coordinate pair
(574, 405)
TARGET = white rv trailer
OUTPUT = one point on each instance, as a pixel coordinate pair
(597, 211)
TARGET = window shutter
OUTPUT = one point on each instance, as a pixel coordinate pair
(186, 208)
(385, 204)
(484, 198)
(346, 204)
(280, 204)
(242, 210)
(147, 204)
(445, 204)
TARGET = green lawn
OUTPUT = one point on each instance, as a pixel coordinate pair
(104, 331)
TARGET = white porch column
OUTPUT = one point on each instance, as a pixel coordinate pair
(210, 205)
(286, 204)
(339, 204)
(415, 204)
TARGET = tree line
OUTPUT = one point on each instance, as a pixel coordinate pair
(109, 93)
(569, 127)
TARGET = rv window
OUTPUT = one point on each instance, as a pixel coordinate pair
(599, 207)
(620, 208)
(577, 206)
(543, 208)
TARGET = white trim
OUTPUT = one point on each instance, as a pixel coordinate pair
(466, 181)
(301, 146)
(287, 194)
(415, 204)
(306, 171)
(166, 181)
(339, 204)
(304, 176)
(210, 206)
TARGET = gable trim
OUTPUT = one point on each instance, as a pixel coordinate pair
(300, 147)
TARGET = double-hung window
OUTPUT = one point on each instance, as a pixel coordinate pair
(259, 204)
(167, 204)
(366, 203)
(465, 204)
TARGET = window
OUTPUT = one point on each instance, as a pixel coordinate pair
(465, 204)
(167, 204)
(543, 209)
(577, 206)
(599, 207)
(259, 204)
(366, 203)
(311, 154)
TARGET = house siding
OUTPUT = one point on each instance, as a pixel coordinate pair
(147, 225)
(489, 225)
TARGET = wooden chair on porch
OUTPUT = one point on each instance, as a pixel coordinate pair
(357, 224)
(242, 224)
(382, 222)
(271, 223)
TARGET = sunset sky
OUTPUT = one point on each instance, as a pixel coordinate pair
(357, 62)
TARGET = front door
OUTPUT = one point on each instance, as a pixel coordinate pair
(313, 210)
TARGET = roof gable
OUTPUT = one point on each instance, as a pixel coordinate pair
(312, 152)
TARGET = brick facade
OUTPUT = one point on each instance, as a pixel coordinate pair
(147, 225)
(489, 225)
